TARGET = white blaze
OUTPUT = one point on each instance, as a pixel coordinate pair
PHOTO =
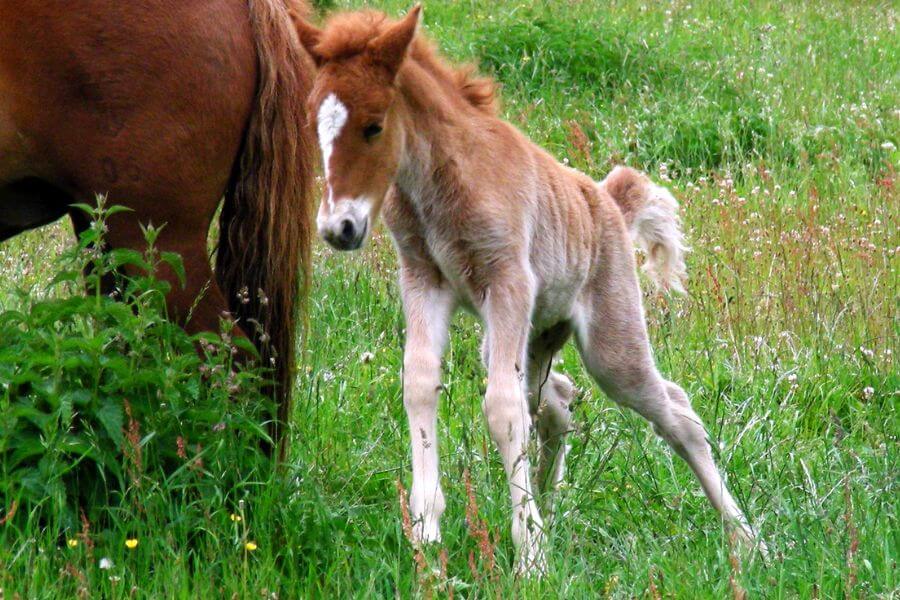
(331, 120)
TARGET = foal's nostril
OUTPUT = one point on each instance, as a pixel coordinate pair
(348, 230)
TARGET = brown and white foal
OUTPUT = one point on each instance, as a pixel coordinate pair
(484, 219)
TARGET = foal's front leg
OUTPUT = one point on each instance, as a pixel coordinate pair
(507, 315)
(427, 308)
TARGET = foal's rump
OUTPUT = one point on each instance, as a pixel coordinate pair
(651, 214)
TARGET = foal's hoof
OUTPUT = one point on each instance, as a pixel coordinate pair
(760, 546)
(750, 541)
(427, 532)
(532, 563)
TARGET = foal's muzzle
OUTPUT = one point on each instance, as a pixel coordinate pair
(347, 235)
(347, 225)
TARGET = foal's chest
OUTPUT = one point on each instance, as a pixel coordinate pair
(455, 259)
(426, 232)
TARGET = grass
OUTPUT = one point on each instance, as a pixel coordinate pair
(776, 125)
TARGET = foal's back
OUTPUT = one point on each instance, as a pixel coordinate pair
(563, 221)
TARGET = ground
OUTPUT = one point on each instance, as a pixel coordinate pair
(776, 125)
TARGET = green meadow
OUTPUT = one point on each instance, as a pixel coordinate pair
(775, 124)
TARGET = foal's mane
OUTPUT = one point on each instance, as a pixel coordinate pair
(348, 34)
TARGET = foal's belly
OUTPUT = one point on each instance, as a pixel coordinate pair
(554, 305)
(554, 299)
(560, 280)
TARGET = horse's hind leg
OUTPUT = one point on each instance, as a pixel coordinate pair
(198, 303)
(613, 342)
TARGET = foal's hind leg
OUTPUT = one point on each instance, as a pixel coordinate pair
(550, 396)
(612, 339)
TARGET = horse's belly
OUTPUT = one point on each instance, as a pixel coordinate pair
(130, 98)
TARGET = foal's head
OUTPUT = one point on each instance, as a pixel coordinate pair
(359, 56)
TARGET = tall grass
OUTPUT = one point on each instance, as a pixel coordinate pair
(776, 125)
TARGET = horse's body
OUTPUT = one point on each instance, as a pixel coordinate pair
(483, 218)
(166, 107)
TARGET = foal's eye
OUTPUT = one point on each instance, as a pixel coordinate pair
(371, 131)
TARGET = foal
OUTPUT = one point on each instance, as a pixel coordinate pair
(484, 219)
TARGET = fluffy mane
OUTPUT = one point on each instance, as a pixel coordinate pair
(347, 34)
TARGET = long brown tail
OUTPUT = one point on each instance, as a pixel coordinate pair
(651, 214)
(266, 220)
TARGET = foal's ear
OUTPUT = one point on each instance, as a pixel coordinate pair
(309, 36)
(390, 47)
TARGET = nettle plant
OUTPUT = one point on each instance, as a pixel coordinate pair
(108, 411)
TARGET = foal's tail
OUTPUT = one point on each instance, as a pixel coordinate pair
(263, 259)
(651, 213)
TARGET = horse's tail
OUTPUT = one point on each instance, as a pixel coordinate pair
(263, 257)
(651, 214)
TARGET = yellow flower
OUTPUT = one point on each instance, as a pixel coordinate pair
(73, 543)
(250, 546)
(131, 543)
(236, 518)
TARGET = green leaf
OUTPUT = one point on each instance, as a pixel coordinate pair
(121, 257)
(64, 276)
(112, 418)
(78, 398)
(25, 448)
(12, 318)
(246, 345)
(173, 259)
(117, 208)
(87, 208)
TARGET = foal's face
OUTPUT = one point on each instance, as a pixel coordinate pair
(359, 130)
(361, 143)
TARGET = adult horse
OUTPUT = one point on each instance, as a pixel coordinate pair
(167, 106)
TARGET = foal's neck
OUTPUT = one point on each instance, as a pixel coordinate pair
(433, 114)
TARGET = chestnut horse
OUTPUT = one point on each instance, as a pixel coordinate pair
(167, 107)
(484, 219)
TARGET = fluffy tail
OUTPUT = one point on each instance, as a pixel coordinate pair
(651, 213)
(263, 258)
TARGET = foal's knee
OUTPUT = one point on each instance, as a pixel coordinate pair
(506, 416)
(679, 425)
(421, 382)
(677, 395)
(562, 386)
